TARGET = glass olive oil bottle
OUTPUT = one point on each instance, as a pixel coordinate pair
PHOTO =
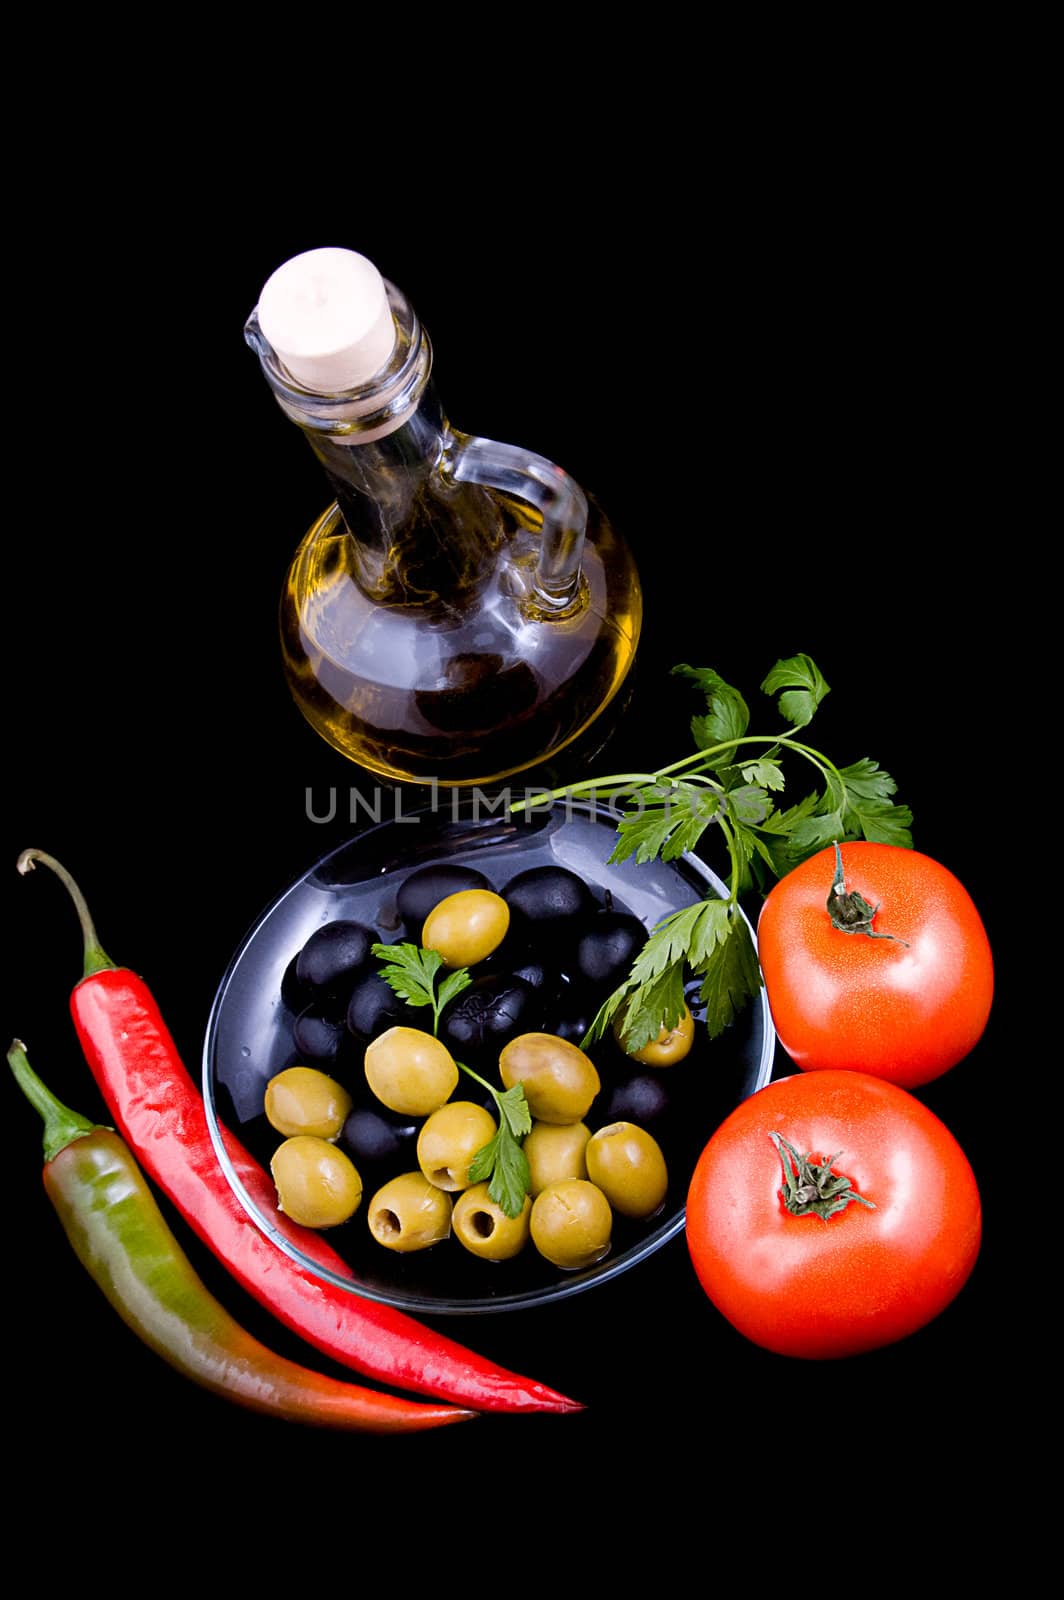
(461, 611)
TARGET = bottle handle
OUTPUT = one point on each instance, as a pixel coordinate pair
(558, 497)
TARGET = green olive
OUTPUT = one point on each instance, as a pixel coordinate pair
(485, 1229)
(555, 1150)
(628, 1165)
(466, 926)
(409, 1213)
(449, 1140)
(560, 1081)
(571, 1223)
(303, 1100)
(410, 1071)
(317, 1185)
(671, 1044)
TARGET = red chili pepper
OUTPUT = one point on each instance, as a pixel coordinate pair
(113, 1221)
(160, 1112)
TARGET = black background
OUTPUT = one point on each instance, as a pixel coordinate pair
(788, 396)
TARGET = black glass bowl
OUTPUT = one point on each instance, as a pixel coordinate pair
(249, 1039)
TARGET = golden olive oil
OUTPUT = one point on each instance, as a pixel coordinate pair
(465, 688)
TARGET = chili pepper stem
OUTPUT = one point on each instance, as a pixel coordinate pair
(61, 1125)
(96, 958)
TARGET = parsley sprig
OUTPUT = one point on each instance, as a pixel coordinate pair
(732, 782)
(502, 1160)
(412, 972)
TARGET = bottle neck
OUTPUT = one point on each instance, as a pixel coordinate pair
(378, 482)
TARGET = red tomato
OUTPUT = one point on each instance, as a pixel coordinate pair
(812, 1287)
(906, 1007)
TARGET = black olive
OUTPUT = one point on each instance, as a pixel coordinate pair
(319, 1037)
(487, 1015)
(639, 1097)
(692, 993)
(376, 1137)
(333, 956)
(294, 994)
(605, 947)
(538, 974)
(374, 1007)
(426, 887)
(574, 1028)
(572, 1014)
(546, 896)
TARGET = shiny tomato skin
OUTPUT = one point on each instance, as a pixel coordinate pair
(905, 1008)
(818, 1289)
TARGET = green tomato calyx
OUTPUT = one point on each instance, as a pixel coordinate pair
(811, 1188)
(849, 911)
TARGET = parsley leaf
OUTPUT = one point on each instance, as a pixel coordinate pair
(641, 1009)
(710, 939)
(668, 828)
(814, 833)
(804, 686)
(748, 804)
(502, 1160)
(728, 716)
(765, 772)
(730, 978)
(868, 809)
(411, 971)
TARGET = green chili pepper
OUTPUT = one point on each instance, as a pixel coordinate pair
(120, 1235)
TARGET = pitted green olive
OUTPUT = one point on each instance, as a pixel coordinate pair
(555, 1150)
(467, 926)
(317, 1185)
(560, 1081)
(304, 1100)
(449, 1140)
(485, 1229)
(409, 1213)
(571, 1223)
(671, 1044)
(628, 1166)
(410, 1071)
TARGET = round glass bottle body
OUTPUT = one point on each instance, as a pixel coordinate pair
(460, 694)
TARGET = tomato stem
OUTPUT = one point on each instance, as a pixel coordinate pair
(849, 911)
(811, 1188)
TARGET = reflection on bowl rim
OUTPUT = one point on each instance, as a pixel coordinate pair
(573, 1283)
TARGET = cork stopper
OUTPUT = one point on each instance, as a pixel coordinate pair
(325, 314)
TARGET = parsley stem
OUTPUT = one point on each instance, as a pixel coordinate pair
(700, 758)
(586, 786)
(733, 857)
(484, 1084)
